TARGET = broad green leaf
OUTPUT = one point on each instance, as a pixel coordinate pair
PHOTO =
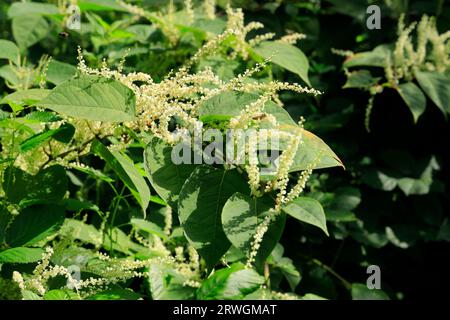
(124, 167)
(35, 223)
(29, 29)
(25, 97)
(312, 150)
(21, 255)
(149, 227)
(168, 284)
(58, 72)
(59, 294)
(307, 210)
(48, 185)
(361, 292)
(241, 216)
(115, 294)
(414, 98)
(437, 87)
(166, 177)
(360, 79)
(231, 283)
(286, 56)
(18, 9)
(230, 104)
(92, 98)
(9, 50)
(200, 206)
(375, 58)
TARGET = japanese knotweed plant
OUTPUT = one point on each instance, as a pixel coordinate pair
(230, 212)
(416, 66)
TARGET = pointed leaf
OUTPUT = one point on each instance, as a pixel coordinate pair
(285, 55)
(200, 206)
(437, 87)
(307, 210)
(92, 98)
(414, 98)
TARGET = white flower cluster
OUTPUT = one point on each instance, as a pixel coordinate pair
(430, 52)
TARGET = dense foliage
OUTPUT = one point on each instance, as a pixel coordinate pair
(93, 205)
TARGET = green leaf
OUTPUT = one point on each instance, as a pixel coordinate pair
(200, 205)
(361, 292)
(34, 224)
(115, 294)
(286, 56)
(124, 167)
(312, 150)
(30, 295)
(231, 283)
(149, 227)
(9, 50)
(25, 97)
(100, 5)
(78, 230)
(63, 134)
(5, 218)
(166, 177)
(360, 79)
(18, 9)
(58, 72)
(307, 210)
(286, 266)
(48, 185)
(437, 87)
(375, 58)
(8, 73)
(42, 116)
(230, 104)
(312, 296)
(379, 180)
(92, 98)
(58, 294)
(29, 29)
(414, 98)
(241, 216)
(121, 242)
(21, 255)
(338, 206)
